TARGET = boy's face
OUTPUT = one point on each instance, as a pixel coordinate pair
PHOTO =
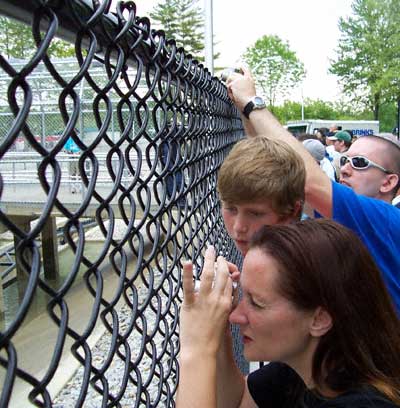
(243, 220)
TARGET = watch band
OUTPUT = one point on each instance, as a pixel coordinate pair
(248, 109)
(255, 103)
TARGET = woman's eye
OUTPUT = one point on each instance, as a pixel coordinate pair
(255, 304)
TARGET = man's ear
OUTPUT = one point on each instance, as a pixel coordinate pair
(321, 322)
(389, 183)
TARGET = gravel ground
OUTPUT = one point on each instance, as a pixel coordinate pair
(145, 368)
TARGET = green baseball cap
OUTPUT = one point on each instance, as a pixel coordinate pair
(342, 135)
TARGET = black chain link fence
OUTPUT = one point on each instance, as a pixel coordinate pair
(90, 317)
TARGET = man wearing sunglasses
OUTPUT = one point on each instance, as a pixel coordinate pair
(369, 179)
(371, 167)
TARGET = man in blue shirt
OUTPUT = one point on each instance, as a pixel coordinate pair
(370, 177)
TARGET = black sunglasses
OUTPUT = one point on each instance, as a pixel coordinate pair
(361, 163)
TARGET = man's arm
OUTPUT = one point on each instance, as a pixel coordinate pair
(318, 188)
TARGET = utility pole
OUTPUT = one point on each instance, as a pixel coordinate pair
(398, 118)
(209, 46)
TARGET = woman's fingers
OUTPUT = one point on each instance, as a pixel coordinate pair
(188, 284)
(222, 275)
(223, 283)
(207, 276)
(235, 296)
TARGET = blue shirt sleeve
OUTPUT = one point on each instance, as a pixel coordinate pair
(377, 223)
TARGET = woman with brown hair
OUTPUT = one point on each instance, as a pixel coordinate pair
(313, 304)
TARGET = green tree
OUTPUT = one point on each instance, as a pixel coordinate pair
(388, 116)
(183, 21)
(275, 67)
(319, 109)
(289, 110)
(368, 62)
(16, 40)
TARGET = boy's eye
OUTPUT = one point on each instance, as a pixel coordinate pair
(256, 214)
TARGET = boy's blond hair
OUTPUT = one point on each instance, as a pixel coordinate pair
(260, 168)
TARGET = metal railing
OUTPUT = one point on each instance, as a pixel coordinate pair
(93, 321)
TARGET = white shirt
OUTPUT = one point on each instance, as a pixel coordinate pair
(327, 167)
(396, 200)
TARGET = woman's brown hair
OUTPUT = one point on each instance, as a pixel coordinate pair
(325, 264)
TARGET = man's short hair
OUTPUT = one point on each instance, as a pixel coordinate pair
(260, 169)
(392, 156)
(391, 161)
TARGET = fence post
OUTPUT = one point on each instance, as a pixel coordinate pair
(50, 249)
(24, 224)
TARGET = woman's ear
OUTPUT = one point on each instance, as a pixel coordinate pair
(321, 322)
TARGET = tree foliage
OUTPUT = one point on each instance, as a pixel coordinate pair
(319, 109)
(275, 67)
(368, 58)
(16, 40)
(183, 21)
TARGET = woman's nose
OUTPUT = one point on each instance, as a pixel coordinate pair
(237, 315)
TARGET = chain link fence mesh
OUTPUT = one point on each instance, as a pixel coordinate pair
(99, 230)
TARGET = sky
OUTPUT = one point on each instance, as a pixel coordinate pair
(309, 26)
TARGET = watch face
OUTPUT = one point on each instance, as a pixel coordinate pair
(258, 102)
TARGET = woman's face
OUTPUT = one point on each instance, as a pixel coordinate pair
(273, 329)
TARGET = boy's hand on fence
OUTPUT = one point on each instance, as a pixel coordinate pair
(204, 315)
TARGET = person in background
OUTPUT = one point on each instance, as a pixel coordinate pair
(396, 200)
(73, 150)
(321, 134)
(313, 304)
(341, 141)
(352, 134)
(333, 128)
(318, 151)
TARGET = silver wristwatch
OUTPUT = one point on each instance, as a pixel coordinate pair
(256, 102)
